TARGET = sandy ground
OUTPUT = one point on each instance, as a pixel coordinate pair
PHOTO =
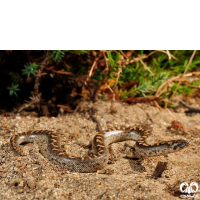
(35, 177)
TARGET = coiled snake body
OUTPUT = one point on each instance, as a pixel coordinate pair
(100, 143)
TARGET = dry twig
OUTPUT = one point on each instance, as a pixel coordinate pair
(167, 82)
(93, 65)
(126, 62)
(107, 66)
(167, 52)
(191, 58)
(145, 66)
(160, 168)
(141, 99)
(66, 108)
(62, 72)
(116, 82)
(123, 54)
(157, 105)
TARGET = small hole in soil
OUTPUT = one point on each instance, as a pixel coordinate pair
(16, 184)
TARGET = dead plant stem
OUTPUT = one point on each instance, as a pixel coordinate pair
(191, 58)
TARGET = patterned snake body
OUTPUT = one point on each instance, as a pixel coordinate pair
(49, 145)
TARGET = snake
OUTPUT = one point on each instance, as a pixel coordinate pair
(49, 146)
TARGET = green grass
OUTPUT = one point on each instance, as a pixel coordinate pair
(140, 75)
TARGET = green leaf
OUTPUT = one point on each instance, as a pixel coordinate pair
(11, 92)
(112, 62)
(13, 89)
(57, 55)
(30, 69)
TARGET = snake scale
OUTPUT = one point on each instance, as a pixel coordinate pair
(100, 142)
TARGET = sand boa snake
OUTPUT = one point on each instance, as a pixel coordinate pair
(100, 143)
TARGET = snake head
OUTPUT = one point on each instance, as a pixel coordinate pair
(177, 145)
(142, 150)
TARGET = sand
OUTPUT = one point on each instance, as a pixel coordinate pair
(34, 177)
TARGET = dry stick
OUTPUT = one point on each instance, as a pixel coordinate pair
(115, 51)
(36, 94)
(68, 67)
(191, 58)
(111, 106)
(90, 74)
(129, 53)
(164, 89)
(105, 72)
(92, 68)
(66, 108)
(124, 54)
(173, 79)
(126, 62)
(37, 79)
(168, 53)
(62, 72)
(192, 86)
(109, 88)
(140, 99)
(147, 68)
(161, 166)
(116, 82)
(105, 58)
(157, 105)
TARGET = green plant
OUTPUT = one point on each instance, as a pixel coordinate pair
(57, 55)
(123, 73)
(30, 69)
(113, 59)
(143, 76)
(13, 89)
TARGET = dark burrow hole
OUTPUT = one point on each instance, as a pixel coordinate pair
(16, 184)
